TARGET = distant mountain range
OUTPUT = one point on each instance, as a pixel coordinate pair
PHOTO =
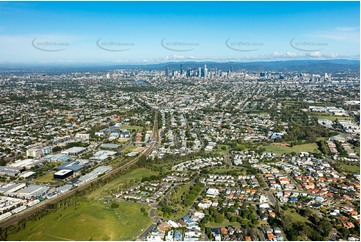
(310, 66)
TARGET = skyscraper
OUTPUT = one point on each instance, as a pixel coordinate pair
(166, 71)
(188, 74)
(181, 69)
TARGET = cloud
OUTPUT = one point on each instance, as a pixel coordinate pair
(346, 29)
(181, 57)
(277, 54)
(339, 34)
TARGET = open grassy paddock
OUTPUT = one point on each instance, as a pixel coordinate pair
(88, 220)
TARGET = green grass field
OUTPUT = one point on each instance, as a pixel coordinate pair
(222, 148)
(88, 220)
(47, 178)
(129, 127)
(138, 173)
(129, 149)
(295, 217)
(330, 117)
(311, 147)
(351, 169)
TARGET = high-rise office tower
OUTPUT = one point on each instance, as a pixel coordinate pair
(166, 71)
(181, 69)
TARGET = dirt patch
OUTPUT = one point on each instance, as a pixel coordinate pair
(282, 144)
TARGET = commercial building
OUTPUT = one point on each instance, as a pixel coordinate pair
(62, 174)
(39, 151)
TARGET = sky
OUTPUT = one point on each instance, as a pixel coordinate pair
(154, 32)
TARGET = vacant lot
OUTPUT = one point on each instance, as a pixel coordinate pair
(88, 220)
(47, 178)
(278, 149)
(129, 149)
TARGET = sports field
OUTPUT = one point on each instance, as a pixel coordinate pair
(278, 149)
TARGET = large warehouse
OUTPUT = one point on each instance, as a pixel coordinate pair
(62, 174)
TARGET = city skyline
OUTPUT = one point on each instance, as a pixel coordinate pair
(123, 32)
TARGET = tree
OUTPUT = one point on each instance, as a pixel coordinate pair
(219, 218)
(114, 205)
(325, 228)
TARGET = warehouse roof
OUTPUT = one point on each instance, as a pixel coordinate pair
(63, 172)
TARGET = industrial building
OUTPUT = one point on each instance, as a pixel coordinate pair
(94, 174)
(102, 155)
(26, 164)
(11, 188)
(74, 165)
(64, 188)
(32, 191)
(110, 146)
(62, 174)
(57, 157)
(27, 174)
(9, 171)
(74, 151)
